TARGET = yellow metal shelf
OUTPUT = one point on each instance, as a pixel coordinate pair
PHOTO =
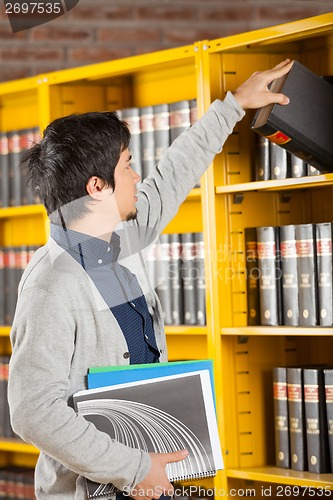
(186, 330)
(17, 447)
(278, 330)
(283, 476)
(278, 185)
(4, 331)
(22, 211)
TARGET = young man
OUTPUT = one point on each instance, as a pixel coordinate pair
(85, 298)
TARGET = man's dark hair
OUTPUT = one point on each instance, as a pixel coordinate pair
(73, 149)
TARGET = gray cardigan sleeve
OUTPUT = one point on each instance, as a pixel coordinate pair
(184, 162)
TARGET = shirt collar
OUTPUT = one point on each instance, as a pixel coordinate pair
(86, 249)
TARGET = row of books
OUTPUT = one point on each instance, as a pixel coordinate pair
(154, 128)
(17, 484)
(180, 260)
(13, 186)
(274, 162)
(303, 418)
(13, 261)
(5, 426)
(289, 275)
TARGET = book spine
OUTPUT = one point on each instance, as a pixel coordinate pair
(297, 430)
(312, 170)
(262, 159)
(278, 162)
(14, 170)
(179, 118)
(10, 283)
(2, 287)
(316, 423)
(187, 241)
(26, 142)
(281, 422)
(269, 279)
(290, 308)
(147, 140)
(193, 111)
(3, 396)
(298, 167)
(252, 276)
(162, 276)
(200, 283)
(161, 130)
(324, 272)
(4, 166)
(328, 380)
(7, 426)
(132, 117)
(306, 270)
(177, 301)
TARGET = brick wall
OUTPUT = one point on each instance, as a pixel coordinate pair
(100, 30)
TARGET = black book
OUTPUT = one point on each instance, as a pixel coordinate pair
(147, 140)
(200, 282)
(324, 272)
(306, 270)
(269, 276)
(328, 379)
(261, 159)
(278, 162)
(290, 309)
(303, 127)
(15, 189)
(2, 288)
(298, 167)
(315, 419)
(281, 422)
(188, 272)
(175, 273)
(252, 276)
(162, 276)
(132, 117)
(4, 166)
(161, 130)
(296, 413)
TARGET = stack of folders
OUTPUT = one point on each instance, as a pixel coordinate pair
(163, 407)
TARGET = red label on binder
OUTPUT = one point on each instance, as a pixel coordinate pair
(279, 138)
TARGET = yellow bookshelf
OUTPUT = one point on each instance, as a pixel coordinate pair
(227, 202)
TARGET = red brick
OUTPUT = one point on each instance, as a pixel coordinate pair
(165, 13)
(87, 56)
(30, 54)
(186, 36)
(7, 74)
(280, 13)
(60, 34)
(7, 34)
(92, 12)
(225, 14)
(128, 35)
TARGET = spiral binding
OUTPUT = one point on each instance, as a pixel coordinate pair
(108, 490)
(195, 477)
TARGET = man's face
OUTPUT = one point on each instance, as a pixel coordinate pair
(125, 187)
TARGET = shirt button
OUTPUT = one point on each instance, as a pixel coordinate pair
(132, 304)
(108, 250)
(126, 355)
(161, 351)
(146, 337)
(100, 261)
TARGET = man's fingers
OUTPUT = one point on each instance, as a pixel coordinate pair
(175, 456)
(279, 70)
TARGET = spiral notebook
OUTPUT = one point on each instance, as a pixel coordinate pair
(160, 415)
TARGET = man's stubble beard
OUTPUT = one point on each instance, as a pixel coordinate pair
(132, 215)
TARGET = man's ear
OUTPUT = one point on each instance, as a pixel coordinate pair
(95, 186)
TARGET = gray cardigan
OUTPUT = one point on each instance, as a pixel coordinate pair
(62, 327)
